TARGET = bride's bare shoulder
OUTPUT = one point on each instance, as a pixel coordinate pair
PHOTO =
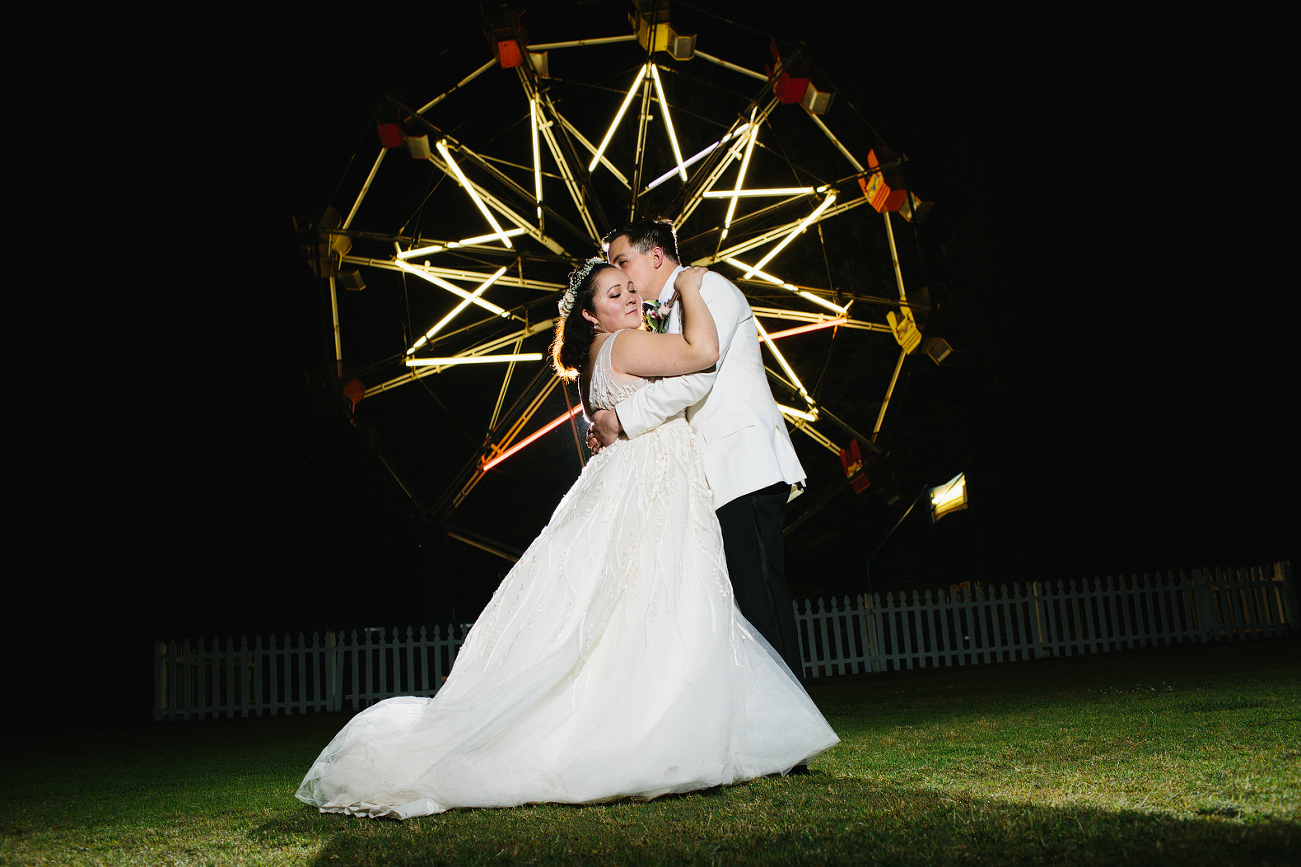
(595, 349)
(633, 343)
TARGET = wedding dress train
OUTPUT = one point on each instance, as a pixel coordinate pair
(611, 662)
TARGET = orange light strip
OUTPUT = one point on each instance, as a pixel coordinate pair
(487, 465)
(830, 323)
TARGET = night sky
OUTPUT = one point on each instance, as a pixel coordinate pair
(1107, 225)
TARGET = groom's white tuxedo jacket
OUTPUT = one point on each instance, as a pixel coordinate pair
(741, 432)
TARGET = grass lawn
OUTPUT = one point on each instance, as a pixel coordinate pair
(1185, 755)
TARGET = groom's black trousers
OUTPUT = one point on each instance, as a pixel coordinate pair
(753, 545)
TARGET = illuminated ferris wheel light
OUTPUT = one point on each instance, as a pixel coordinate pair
(609, 133)
(668, 120)
(740, 176)
(804, 224)
(765, 338)
(535, 119)
(698, 157)
(805, 329)
(452, 245)
(469, 188)
(811, 415)
(769, 191)
(554, 423)
(451, 287)
(454, 360)
(465, 302)
(808, 296)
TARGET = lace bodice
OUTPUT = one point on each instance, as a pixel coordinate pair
(607, 387)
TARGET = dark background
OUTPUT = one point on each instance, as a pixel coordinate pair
(1108, 227)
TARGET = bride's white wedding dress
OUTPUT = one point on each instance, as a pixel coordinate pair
(611, 662)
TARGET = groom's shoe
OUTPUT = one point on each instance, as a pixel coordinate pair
(798, 771)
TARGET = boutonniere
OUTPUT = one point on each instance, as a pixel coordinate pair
(656, 315)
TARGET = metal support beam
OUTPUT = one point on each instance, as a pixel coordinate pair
(455, 273)
(773, 234)
(894, 378)
(580, 190)
(420, 373)
(709, 174)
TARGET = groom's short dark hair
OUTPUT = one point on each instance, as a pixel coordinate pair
(646, 235)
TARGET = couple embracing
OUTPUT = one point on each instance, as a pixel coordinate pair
(644, 643)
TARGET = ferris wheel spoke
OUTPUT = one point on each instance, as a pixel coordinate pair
(460, 84)
(781, 360)
(794, 233)
(483, 349)
(801, 422)
(668, 120)
(618, 116)
(727, 64)
(710, 174)
(579, 192)
(699, 155)
(505, 384)
(524, 195)
(469, 189)
(773, 234)
(836, 141)
(591, 148)
(455, 273)
(472, 298)
(370, 179)
(749, 271)
(425, 274)
(502, 208)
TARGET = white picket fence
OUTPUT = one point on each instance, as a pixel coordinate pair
(281, 678)
(955, 627)
(969, 627)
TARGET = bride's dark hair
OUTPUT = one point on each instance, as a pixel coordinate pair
(574, 334)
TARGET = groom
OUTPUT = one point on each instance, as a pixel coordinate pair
(750, 463)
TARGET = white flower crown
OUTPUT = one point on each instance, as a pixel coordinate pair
(576, 278)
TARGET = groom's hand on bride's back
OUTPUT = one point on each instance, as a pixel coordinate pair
(605, 429)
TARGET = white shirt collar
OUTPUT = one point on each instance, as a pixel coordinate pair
(667, 292)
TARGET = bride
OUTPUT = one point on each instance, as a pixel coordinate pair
(612, 661)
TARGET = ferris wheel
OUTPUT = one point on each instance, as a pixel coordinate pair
(446, 258)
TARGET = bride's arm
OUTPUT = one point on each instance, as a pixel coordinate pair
(642, 353)
(651, 405)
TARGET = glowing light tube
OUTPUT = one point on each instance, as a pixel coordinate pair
(740, 179)
(769, 191)
(798, 413)
(465, 302)
(479, 239)
(472, 359)
(668, 120)
(609, 133)
(808, 296)
(537, 157)
(781, 359)
(804, 224)
(450, 287)
(420, 251)
(452, 245)
(487, 465)
(465, 184)
(698, 157)
(804, 329)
